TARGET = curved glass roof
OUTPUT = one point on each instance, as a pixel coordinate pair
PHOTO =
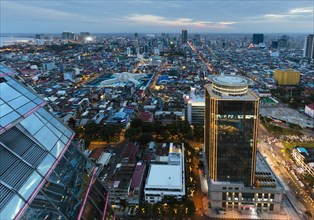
(31, 142)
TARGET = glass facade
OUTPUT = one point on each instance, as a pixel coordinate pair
(230, 137)
(43, 175)
(235, 134)
(62, 195)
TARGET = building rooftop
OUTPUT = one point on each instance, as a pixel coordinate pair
(138, 175)
(230, 80)
(164, 176)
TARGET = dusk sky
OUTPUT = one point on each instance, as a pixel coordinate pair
(224, 16)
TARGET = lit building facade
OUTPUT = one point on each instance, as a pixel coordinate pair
(287, 77)
(195, 107)
(166, 181)
(44, 174)
(238, 175)
(231, 120)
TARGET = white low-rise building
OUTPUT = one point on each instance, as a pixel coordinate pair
(166, 180)
(309, 110)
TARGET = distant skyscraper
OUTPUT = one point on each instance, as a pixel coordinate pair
(274, 44)
(309, 47)
(184, 36)
(231, 122)
(258, 38)
(283, 42)
(67, 35)
(40, 36)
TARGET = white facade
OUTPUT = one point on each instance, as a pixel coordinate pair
(309, 110)
(195, 108)
(166, 180)
(251, 200)
(234, 196)
(299, 155)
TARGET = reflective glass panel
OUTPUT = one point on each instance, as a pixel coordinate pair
(26, 108)
(46, 137)
(29, 187)
(54, 130)
(45, 114)
(9, 118)
(32, 124)
(5, 109)
(7, 92)
(57, 149)
(46, 164)
(18, 102)
(12, 208)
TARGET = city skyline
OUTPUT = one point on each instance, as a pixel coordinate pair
(157, 16)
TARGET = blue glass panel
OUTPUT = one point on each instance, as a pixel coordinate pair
(12, 208)
(38, 101)
(26, 108)
(64, 139)
(7, 92)
(43, 112)
(46, 138)
(31, 95)
(40, 117)
(18, 102)
(5, 109)
(9, 118)
(68, 133)
(57, 124)
(29, 187)
(56, 150)
(54, 130)
(46, 164)
(32, 124)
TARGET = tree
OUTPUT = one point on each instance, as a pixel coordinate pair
(145, 138)
(198, 132)
(72, 122)
(136, 123)
(148, 127)
(132, 133)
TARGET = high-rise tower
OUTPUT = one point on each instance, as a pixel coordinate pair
(231, 122)
(309, 47)
(184, 36)
(258, 38)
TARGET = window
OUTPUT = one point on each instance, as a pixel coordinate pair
(271, 207)
(224, 196)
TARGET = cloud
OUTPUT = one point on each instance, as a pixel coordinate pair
(307, 10)
(154, 20)
(292, 15)
(21, 11)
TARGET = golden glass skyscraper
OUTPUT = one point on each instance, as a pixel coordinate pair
(231, 123)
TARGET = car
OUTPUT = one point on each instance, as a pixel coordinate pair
(220, 211)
